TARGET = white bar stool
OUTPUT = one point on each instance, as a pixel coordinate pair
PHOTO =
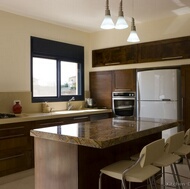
(138, 171)
(175, 144)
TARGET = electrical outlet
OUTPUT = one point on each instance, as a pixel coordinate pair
(14, 102)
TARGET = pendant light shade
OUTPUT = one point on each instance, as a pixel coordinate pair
(121, 22)
(107, 22)
(133, 37)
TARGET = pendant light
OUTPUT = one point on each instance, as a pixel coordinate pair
(121, 22)
(107, 22)
(133, 37)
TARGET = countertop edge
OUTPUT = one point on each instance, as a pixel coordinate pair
(25, 117)
(104, 143)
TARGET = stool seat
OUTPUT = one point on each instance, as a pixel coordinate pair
(136, 174)
(183, 150)
(166, 160)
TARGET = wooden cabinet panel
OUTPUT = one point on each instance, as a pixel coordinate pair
(101, 88)
(15, 151)
(125, 79)
(185, 84)
(100, 116)
(169, 49)
(104, 82)
(114, 56)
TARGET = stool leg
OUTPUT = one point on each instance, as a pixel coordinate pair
(154, 181)
(150, 181)
(164, 180)
(100, 181)
(129, 185)
(177, 175)
(174, 176)
(187, 161)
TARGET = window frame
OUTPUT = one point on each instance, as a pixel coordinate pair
(44, 52)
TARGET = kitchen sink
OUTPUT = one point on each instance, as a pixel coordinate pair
(6, 115)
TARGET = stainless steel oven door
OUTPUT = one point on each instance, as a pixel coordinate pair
(123, 104)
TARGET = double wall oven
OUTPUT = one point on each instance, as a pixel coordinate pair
(124, 104)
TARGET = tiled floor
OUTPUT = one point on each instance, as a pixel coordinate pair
(21, 180)
(185, 176)
(25, 179)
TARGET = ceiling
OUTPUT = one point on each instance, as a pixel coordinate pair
(87, 15)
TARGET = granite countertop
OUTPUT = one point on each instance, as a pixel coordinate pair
(24, 117)
(104, 133)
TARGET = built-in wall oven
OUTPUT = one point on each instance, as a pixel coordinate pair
(124, 104)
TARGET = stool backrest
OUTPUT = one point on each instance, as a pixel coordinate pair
(187, 137)
(174, 142)
(152, 152)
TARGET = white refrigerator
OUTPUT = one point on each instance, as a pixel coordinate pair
(158, 95)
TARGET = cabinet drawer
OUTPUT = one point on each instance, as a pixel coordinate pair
(8, 144)
(15, 163)
(11, 132)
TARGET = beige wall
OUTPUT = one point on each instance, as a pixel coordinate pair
(171, 27)
(15, 35)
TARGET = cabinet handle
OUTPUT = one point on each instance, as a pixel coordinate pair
(113, 63)
(54, 123)
(75, 118)
(172, 57)
(12, 136)
(4, 129)
(11, 157)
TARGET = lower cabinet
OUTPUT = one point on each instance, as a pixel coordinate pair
(15, 148)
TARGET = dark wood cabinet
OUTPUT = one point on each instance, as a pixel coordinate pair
(185, 85)
(125, 80)
(104, 82)
(15, 148)
(169, 49)
(95, 117)
(101, 88)
(114, 56)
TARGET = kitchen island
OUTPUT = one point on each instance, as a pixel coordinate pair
(70, 156)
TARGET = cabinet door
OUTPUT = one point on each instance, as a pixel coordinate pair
(15, 148)
(101, 88)
(125, 79)
(114, 56)
(170, 49)
(176, 48)
(185, 80)
(150, 52)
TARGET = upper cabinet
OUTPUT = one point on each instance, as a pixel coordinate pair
(124, 79)
(114, 56)
(169, 49)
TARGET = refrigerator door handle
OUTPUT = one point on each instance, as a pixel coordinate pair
(166, 99)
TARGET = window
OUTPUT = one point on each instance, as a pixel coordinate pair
(57, 71)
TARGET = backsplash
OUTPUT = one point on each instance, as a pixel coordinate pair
(7, 99)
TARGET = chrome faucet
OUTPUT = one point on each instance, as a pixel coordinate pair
(69, 105)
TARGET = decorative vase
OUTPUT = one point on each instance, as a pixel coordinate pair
(17, 108)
